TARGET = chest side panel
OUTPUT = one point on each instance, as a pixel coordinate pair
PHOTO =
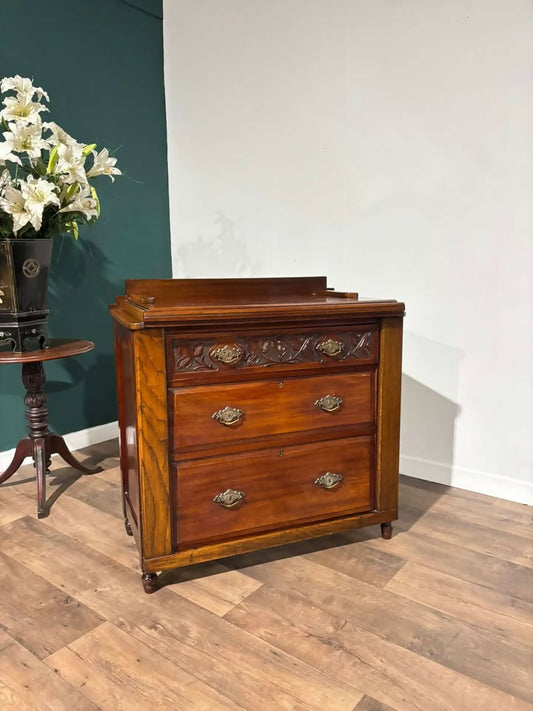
(152, 427)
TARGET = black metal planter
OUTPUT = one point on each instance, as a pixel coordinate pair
(24, 267)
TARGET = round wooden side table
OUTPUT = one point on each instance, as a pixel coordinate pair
(41, 443)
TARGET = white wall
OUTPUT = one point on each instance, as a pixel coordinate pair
(387, 145)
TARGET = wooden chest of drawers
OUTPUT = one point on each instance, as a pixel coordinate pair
(253, 412)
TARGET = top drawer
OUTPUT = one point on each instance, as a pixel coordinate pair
(254, 354)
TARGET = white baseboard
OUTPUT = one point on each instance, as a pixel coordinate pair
(498, 485)
(74, 440)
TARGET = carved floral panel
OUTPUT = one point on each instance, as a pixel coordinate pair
(265, 351)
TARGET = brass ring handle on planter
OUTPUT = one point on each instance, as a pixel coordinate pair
(329, 403)
(229, 498)
(329, 480)
(228, 415)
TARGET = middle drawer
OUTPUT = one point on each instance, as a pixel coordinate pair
(226, 413)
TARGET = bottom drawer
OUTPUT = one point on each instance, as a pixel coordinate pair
(272, 489)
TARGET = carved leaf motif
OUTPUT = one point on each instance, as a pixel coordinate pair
(190, 357)
(271, 350)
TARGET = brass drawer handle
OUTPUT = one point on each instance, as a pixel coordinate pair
(229, 498)
(329, 403)
(331, 347)
(228, 415)
(329, 480)
(227, 354)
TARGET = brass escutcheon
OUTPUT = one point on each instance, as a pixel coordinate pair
(329, 480)
(229, 498)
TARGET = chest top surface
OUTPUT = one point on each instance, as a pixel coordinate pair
(160, 302)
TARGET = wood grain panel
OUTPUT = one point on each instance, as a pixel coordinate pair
(369, 704)
(502, 663)
(31, 685)
(270, 407)
(455, 559)
(363, 563)
(506, 546)
(118, 672)
(474, 604)
(295, 628)
(418, 495)
(278, 485)
(152, 428)
(408, 624)
(214, 586)
(238, 665)
(392, 675)
(127, 417)
(389, 390)
(38, 615)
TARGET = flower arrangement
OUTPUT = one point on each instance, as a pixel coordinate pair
(45, 187)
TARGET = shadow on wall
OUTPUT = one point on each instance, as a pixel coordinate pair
(224, 254)
(78, 274)
(428, 432)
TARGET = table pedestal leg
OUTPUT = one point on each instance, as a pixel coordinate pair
(24, 449)
(34, 378)
(59, 446)
(41, 467)
(41, 443)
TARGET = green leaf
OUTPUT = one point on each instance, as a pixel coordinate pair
(70, 192)
(88, 149)
(72, 227)
(52, 160)
(95, 197)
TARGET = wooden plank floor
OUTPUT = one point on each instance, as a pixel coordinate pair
(439, 618)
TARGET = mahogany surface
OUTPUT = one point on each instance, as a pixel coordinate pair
(279, 487)
(251, 390)
(269, 407)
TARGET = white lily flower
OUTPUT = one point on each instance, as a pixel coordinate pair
(83, 202)
(52, 177)
(103, 165)
(14, 204)
(38, 193)
(27, 138)
(71, 163)
(6, 153)
(22, 85)
(21, 108)
(59, 136)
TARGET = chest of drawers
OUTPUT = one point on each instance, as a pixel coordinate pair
(253, 412)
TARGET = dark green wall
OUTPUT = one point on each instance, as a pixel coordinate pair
(101, 62)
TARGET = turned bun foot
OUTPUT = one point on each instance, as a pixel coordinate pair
(149, 582)
(128, 527)
(386, 530)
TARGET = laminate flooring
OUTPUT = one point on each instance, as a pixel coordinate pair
(439, 618)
